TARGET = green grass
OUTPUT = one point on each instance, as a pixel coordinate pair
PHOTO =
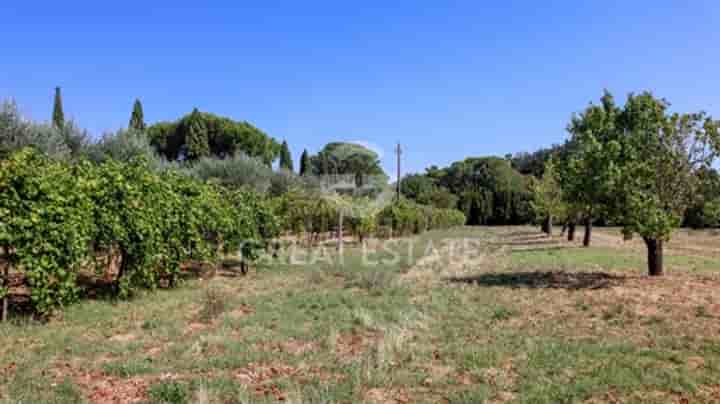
(326, 333)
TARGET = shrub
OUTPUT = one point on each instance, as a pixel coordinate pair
(124, 145)
(238, 171)
(406, 217)
(17, 133)
(169, 392)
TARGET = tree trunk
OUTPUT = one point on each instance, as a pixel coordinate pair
(121, 271)
(588, 232)
(564, 229)
(547, 226)
(571, 231)
(655, 256)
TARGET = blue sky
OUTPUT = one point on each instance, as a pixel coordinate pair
(446, 79)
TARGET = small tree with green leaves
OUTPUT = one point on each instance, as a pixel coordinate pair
(662, 154)
(590, 171)
(547, 200)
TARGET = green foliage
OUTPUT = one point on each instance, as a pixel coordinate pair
(196, 140)
(201, 134)
(662, 154)
(58, 116)
(169, 393)
(313, 214)
(17, 133)
(711, 213)
(46, 226)
(137, 119)
(59, 215)
(406, 217)
(304, 162)
(124, 145)
(238, 171)
(548, 200)
(641, 165)
(702, 212)
(349, 158)
(425, 191)
(283, 181)
(306, 212)
(286, 162)
(534, 163)
(490, 191)
(589, 173)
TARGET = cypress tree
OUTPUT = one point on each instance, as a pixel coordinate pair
(137, 120)
(58, 117)
(304, 162)
(285, 157)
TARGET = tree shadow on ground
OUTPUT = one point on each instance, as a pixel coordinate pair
(543, 280)
(515, 249)
(523, 233)
(528, 243)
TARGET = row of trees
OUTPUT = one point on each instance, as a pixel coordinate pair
(638, 165)
(200, 135)
(488, 190)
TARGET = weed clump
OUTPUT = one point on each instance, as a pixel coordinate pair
(213, 304)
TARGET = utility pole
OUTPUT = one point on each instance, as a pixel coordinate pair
(398, 151)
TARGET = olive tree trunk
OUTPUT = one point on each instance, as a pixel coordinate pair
(655, 256)
(588, 232)
(547, 225)
(571, 231)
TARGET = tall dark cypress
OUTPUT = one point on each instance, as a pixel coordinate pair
(137, 120)
(285, 157)
(58, 117)
(304, 162)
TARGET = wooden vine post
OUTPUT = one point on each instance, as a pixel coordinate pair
(6, 290)
(340, 229)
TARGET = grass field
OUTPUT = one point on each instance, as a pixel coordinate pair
(507, 316)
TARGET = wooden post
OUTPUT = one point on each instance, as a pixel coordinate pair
(340, 230)
(398, 151)
(6, 284)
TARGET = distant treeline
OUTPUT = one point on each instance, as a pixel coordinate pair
(498, 191)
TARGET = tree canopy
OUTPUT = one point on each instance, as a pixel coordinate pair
(286, 162)
(338, 158)
(201, 134)
(663, 154)
(304, 162)
(490, 191)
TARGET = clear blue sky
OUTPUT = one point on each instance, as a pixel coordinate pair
(446, 79)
